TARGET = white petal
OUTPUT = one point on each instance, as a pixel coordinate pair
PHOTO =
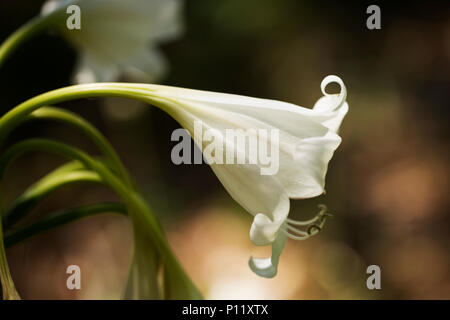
(303, 172)
(267, 267)
(261, 195)
(88, 71)
(51, 5)
(332, 104)
(304, 151)
(296, 120)
(117, 35)
(146, 66)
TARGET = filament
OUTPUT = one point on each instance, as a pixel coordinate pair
(300, 232)
(313, 226)
(289, 235)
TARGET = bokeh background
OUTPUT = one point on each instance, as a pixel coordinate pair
(387, 184)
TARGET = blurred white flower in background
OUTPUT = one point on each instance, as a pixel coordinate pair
(119, 37)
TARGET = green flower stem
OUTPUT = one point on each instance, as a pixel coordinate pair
(28, 30)
(72, 119)
(15, 116)
(69, 173)
(38, 191)
(8, 289)
(141, 214)
(60, 218)
(131, 91)
(177, 284)
(142, 280)
(19, 36)
(50, 113)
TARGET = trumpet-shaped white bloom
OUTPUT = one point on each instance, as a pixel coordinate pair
(119, 36)
(307, 141)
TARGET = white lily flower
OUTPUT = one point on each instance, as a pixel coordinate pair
(307, 141)
(119, 36)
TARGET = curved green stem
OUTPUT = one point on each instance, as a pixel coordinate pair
(60, 218)
(142, 280)
(28, 30)
(38, 191)
(177, 284)
(130, 91)
(138, 210)
(115, 183)
(51, 113)
(72, 119)
(20, 113)
(19, 36)
(8, 289)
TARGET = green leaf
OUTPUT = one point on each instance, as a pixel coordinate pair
(142, 283)
(177, 284)
(41, 189)
(60, 218)
(74, 120)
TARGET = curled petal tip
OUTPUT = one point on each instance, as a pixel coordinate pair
(263, 230)
(263, 267)
(330, 79)
(268, 267)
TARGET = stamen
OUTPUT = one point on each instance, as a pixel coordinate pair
(300, 232)
(313, 225)
(322, 212)
(313, 228)
(289, 235)
(302, 223)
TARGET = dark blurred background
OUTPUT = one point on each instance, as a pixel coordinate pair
(387, 184)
